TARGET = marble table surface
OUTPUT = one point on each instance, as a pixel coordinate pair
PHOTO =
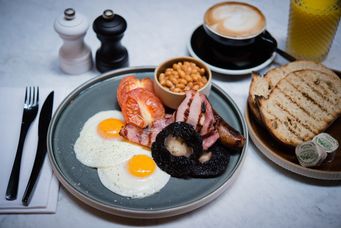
(263, 195)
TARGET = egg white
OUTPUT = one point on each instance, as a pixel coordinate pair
(118, 179)
(95, 151)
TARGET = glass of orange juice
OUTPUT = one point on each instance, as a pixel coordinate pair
(312, 27)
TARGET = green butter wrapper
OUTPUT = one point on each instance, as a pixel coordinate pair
(326, 142)
(309, 154)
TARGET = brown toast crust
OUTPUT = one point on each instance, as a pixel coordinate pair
(256, 90)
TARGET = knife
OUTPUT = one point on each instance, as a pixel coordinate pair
(44, 121)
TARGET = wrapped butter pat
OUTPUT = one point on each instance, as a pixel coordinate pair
(309, 154)
(327, 143)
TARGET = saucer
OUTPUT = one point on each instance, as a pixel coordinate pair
(232, 60)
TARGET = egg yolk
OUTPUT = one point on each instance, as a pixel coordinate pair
(141, 165)
(110, 128)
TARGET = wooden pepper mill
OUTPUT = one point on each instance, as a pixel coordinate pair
(110, 28)
(74, 55)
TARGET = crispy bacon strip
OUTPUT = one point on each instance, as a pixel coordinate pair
(145, 136)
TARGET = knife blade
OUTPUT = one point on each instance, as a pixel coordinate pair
(44, 121)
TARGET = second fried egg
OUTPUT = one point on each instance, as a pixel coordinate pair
(137, 177)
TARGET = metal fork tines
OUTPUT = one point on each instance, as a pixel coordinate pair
(31, 105)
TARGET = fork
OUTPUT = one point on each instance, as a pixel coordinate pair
(31, 105)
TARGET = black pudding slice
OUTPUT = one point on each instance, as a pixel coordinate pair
(177, 148)
(212, 163)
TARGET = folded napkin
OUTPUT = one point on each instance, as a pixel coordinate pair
(45, 196)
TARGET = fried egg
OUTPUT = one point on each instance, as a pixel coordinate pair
(99, 143)
(136, 177)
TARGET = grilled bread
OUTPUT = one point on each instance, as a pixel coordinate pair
(301, 104)
(259, 87)
(262, 86)
(274, 75)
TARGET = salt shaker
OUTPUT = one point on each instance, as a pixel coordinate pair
(74, 55)
(110, 29)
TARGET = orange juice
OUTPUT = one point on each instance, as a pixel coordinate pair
(312, 26)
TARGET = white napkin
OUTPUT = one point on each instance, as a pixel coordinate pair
(45, 196)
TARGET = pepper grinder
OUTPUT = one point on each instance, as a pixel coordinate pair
(74, 55)
(109, 28)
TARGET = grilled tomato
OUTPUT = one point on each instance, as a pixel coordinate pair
(142, 107)
(129, 83)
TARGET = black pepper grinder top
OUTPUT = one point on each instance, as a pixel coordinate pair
(110, 28)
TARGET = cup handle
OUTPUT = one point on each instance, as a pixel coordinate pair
(266, 36)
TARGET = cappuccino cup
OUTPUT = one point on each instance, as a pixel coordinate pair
(234, 23)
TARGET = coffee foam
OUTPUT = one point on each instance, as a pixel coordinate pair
(235, 20)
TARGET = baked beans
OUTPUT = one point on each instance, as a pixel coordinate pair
(183, 76)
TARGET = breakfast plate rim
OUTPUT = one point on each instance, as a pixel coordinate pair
(228, 71)
(284, 163)
(138, 213)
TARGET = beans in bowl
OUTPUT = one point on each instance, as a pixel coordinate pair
(183, 76)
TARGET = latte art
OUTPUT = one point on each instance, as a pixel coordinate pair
(235, 20)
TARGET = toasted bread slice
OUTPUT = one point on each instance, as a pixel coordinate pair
(276, 74)
(259, 87)
(301, 105)
(262, 86)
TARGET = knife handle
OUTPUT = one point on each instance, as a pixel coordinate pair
(285, 55)
(38, 162)
(13, 182)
